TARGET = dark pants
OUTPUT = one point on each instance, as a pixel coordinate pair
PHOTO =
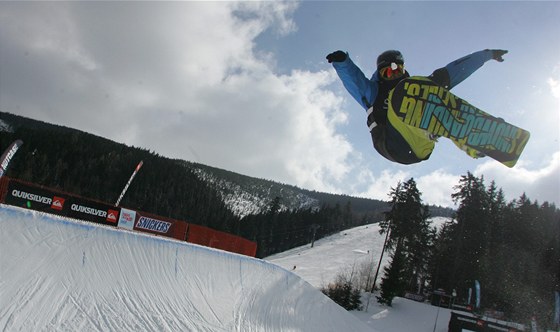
(398, 148)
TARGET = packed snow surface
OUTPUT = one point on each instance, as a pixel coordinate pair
(63, 275)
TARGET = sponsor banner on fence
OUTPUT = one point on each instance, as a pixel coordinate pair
(35, 198)
(8, 155)
(92, 211)
(159, 225)
(153, 225)
(41, 199)
(127, 218)
(467, 322)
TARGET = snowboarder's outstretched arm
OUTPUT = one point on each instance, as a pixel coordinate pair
(458, 70)
(354, 80)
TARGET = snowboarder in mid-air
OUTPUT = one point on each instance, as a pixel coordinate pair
(391, 138)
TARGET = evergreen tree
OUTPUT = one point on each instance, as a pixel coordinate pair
(343, 292)
(393, 283)
(411, 239)
(511, 248)
(472, 230)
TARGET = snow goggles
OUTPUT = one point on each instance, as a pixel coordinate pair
(392, 71)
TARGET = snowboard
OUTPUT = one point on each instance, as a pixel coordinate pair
(421, 103)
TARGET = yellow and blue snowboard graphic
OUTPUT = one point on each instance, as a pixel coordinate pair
(421, 103)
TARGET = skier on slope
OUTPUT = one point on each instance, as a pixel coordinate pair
(391, 138)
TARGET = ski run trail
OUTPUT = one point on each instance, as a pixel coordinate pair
(65, 275)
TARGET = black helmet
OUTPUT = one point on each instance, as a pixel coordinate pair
(386, 58)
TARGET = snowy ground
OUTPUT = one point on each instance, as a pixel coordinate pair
(57, 274)
(347, 250)
(342, 251)
(329, 256)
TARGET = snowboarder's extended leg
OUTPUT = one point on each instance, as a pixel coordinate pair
(422, 105)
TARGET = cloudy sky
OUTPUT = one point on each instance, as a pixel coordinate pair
(244, 86)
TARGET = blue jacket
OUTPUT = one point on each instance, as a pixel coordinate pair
(454, 73)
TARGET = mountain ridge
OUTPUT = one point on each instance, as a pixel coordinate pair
(242, 194)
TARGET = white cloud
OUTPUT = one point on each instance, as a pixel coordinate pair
(554, 87)
(539, 180)
(539, 183)
(48, 31)
(437, 187)
(182, 79)
(379, 187)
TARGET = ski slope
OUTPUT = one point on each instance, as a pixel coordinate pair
(63, 275)
(346, 251)
(329, 256)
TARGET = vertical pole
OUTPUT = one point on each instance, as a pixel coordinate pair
(437, 315)
(128, 183)
(379, 263)
(314, 227)
(380, 258)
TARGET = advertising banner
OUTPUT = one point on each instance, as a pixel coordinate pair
(467, 322)
(158, 225)
(100, 213)
(41, 199)
(153, 225)
(7, 156)
(127, 219)
(29, 196)
(35, 198)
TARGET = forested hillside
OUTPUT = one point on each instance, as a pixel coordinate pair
(77, 162)
(506, 255)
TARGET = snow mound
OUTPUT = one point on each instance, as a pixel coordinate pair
(57, 274)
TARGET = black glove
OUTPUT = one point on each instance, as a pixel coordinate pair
(337, 56)
(497, 55)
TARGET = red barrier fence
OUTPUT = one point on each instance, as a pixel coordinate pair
(211, 238)
(39, 198)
